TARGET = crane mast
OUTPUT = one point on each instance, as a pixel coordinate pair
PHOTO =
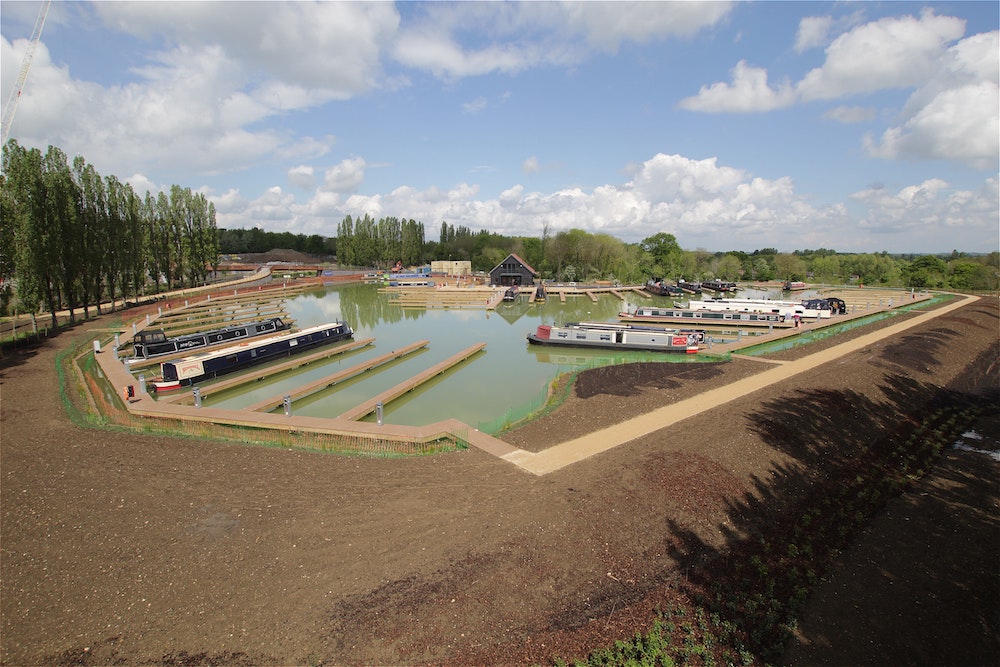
(15, 95)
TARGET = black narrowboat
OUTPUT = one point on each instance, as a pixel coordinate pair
(211, 363)
(153, 342)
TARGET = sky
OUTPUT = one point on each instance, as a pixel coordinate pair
(853, 126)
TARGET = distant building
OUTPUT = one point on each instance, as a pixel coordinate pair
(512, 271)
(457, 269)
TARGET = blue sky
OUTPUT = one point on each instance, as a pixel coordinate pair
(855, 126)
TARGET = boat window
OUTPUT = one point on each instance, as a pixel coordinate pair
(605, 336)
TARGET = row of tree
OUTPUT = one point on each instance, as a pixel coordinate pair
(578, 255)
(256, 240)
(367, 242)
(70, 239)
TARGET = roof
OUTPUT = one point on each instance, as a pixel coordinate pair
(519, 260)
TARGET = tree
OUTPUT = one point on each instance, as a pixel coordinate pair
(789, 267)
(728, 267)
(92, 215)
(926, 271)
(665, 253)
(61, 205)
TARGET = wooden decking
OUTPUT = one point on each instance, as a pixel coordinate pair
(472, 297)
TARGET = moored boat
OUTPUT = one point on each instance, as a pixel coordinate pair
(689, 287)
(793, 286)
(706, 317)
(154, 342)
(718, 285)
(610, 335)
(662, 288)
(211, 363)
(810, 308)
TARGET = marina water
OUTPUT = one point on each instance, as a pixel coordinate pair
(506, 381)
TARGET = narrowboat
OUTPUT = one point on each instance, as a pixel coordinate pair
(718, 285)
(690, 288)
(812, 308)
(154, 342)
(662, 288)
(793, 286)
(211, 363)
(681, 315)
(610, 335)
(511, 293)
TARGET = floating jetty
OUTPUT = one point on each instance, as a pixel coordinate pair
(256, 374)
(475, 297)
(272, 402)
(370, 405)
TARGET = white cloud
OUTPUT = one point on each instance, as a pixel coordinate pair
(531, 166)
(523, 35)
(703, 203)
(955, 114)
(749, 91)
(346, 176)
(141, 185)
(333, 47)
(851, 114)
(303, 177)
(896, 52)
(952, 114)
(475, 106)
(922, 211)
(608, 24)
(813, 32)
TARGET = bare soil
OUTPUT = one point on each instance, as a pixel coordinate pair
(124, 548)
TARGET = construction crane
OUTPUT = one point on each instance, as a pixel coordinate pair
(15, 95)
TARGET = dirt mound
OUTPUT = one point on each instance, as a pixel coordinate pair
(280, 255)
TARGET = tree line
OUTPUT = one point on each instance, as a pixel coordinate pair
(578, 255)
(71, 239)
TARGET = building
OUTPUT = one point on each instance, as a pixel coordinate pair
(512, 271)
(458, 268)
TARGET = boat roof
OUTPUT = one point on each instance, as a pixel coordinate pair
(254, 342)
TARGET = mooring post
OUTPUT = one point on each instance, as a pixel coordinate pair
(287, 401)
(142, 384)
(197, 396)
(378, 413)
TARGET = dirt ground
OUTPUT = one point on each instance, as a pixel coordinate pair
(118, 548)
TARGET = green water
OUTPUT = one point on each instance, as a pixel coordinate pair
(505, 381)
